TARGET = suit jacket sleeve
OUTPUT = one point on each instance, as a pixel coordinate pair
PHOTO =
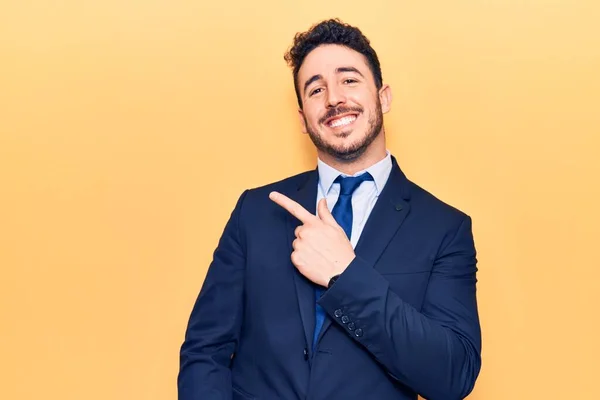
(435, 350)
(213, 330)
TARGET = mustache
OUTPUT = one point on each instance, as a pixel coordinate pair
(334, 112)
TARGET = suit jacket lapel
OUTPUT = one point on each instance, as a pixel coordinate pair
(385, 219)
(306, 195)
(389, 212)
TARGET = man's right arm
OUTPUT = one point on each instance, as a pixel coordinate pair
(213, 330)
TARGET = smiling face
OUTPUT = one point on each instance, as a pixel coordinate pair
(342, 109)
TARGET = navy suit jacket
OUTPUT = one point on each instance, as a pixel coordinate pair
(402, 319)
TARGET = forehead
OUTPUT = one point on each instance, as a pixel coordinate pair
(325, 59)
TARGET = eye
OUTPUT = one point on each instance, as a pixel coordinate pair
(350, 80)
(316, 91)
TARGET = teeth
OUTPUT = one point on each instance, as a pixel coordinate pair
(343, 121)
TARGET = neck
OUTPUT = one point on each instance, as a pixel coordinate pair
(368, 158)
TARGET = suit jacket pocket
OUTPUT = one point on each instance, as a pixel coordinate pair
(239, 394)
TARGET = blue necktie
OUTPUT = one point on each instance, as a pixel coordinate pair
(342, 212)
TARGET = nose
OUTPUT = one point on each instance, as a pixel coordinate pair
(335, 97)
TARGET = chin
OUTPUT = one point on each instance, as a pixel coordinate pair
(347, 140)
(347, 150)
(341, 138)
(345, 146)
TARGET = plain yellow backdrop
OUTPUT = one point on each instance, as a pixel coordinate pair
(129, 128)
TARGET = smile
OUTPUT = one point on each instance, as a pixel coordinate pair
(343, 121)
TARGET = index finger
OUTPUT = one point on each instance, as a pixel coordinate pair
(292, 207)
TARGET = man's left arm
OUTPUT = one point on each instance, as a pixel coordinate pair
(435, 350)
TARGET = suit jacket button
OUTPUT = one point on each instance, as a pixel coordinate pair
(358, 332)
(337, 313)
(351, 326)
(305, 353)
(345, 319)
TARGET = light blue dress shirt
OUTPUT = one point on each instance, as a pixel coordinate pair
(363, 198)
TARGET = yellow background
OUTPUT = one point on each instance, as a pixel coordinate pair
(129, 128)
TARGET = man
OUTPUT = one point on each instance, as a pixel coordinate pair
(346, 282)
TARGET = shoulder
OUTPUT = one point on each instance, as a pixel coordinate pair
(259, 196)
(425, 203)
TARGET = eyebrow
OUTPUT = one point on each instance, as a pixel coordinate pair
(311, 80)
(337, 71)
(348, 69)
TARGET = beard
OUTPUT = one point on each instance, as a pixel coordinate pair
(353, 151)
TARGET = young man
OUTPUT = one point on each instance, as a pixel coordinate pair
(345, 282)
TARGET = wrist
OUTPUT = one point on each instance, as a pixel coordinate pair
(332, 280)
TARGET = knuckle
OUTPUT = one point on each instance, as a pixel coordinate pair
(308, 234)
(295, 258)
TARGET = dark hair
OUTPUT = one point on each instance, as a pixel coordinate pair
(332, 31)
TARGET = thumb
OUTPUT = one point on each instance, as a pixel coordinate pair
(324, 213)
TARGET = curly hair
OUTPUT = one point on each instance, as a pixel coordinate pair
(332, 31)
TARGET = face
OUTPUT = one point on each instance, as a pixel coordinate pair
(342, 110)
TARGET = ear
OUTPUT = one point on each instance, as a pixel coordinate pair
(302, 121)
(385, 98)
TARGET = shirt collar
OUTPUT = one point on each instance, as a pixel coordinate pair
(379, 171)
